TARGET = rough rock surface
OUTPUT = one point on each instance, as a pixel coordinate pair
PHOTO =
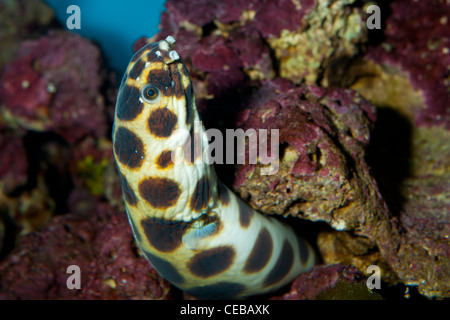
(101, 246)
(20, 20)
(14, 164)
(331, 282)
(418, 42)
(407, 77)
(52, 85)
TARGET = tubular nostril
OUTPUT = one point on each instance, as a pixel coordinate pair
(170, 39)
(174, 55)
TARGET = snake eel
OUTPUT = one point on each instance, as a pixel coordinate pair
(194, 231)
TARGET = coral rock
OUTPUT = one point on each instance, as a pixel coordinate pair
(417, 40)
(19, 20)
(101, 245)
(336, 281)
(53, 84)
(13, 162)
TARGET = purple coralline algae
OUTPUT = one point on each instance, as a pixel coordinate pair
(331, 282)
(14, 164)
(417, 39)
(407, 77)
(52, 85)
(303, 36)
(100, 245)
(20, 20)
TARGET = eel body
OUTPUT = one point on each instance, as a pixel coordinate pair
(193, 230)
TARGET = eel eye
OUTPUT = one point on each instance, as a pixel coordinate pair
(149, 93)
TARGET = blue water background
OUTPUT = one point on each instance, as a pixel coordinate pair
(114, 25)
